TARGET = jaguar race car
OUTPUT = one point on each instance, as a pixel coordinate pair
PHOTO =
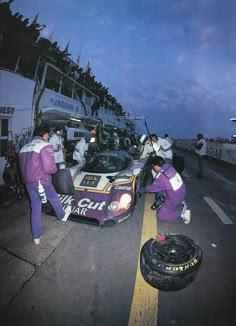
(103, 191)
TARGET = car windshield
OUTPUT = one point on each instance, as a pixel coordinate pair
(106, 163)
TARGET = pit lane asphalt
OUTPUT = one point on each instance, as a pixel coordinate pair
(84, 275)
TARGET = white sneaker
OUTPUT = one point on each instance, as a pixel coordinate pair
(67, 210)
(186, 216)
(37, 241)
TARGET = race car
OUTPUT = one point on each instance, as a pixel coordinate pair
(103, 191)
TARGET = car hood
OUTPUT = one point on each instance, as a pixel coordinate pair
(102, 182)
(94, 182)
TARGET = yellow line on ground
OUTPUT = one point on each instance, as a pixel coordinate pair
(145, 298)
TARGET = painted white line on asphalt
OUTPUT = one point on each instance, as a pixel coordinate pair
(223, 217)
(222, 178)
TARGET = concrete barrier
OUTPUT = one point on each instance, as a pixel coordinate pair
(221, 151)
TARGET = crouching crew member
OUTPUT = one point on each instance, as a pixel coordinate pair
(170, 183)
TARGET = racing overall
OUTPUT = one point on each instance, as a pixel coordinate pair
(170, 183)
(37, 164)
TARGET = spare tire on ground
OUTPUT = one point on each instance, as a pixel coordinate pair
(170, 262)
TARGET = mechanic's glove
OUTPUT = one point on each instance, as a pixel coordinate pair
(162, 198)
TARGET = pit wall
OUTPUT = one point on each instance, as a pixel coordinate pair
(221, 151)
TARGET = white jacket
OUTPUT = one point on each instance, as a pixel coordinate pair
(57, 143)
(166, 146)
(201, 151)
(169, 140)
(80, 148)
(149, 147)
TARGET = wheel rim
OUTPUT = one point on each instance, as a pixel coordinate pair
(174, 249)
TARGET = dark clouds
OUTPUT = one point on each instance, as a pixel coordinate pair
(172, 60)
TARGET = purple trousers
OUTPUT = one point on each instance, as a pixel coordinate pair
(169, 211)
(36, 206)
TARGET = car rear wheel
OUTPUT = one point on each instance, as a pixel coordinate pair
(170, 262)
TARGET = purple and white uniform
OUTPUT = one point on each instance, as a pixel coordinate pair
(170, 183)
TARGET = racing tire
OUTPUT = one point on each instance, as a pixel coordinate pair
(170, 262)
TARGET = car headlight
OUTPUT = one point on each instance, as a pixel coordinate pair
(119, 203)
(114, 206)
(125, 201)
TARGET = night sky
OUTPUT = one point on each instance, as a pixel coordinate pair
(172, 61)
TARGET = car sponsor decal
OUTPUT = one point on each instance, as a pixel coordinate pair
(181, 268)
(90, 180)
(123, 184)
(124, 218)
(107, 188)
(121, 187)
(84, 206)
